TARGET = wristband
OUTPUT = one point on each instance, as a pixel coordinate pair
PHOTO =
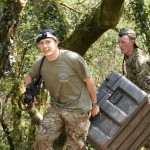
(94, 104)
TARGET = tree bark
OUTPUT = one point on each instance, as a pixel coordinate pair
(105, 17)
(11, 13)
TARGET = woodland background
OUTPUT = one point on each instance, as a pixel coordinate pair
(88, 27)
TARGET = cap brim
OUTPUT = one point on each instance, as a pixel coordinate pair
(135, 45)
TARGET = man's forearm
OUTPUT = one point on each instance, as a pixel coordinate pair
(91, 89)
(28, 79)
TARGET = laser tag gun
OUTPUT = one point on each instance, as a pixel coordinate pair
(26, 100)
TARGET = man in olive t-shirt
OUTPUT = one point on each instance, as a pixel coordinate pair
(72, 90)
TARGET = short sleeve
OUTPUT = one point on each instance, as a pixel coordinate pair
(34, 71)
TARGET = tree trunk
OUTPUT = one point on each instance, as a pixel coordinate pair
(16, 114)
(11, 13)
(105, 17)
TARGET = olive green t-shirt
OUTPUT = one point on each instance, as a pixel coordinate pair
(64, 80)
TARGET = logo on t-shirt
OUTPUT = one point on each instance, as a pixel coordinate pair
(63, 77)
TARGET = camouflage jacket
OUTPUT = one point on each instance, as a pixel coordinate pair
(138, 69)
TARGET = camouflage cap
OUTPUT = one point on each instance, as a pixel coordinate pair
(130, 33)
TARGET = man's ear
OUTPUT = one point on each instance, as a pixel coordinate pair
(133, 41)
(57, 41)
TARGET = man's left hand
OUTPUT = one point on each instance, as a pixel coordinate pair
(95, 110)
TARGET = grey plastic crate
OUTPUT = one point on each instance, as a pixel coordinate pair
(124, 121)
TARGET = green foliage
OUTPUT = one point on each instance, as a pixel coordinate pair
(63, 16)
(140, 10)
(104, 56)
(76, 10)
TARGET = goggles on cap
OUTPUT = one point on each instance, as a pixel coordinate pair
(44, 36)
(129, 33)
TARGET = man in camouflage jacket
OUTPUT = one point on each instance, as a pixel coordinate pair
(136, 62)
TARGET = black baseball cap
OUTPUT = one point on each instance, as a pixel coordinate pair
(47, 33)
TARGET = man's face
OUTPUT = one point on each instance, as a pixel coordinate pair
(48, 46)
(126, 44)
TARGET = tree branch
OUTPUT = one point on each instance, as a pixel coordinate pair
(105, 17)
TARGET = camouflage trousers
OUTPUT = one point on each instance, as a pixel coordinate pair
(75, 123)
